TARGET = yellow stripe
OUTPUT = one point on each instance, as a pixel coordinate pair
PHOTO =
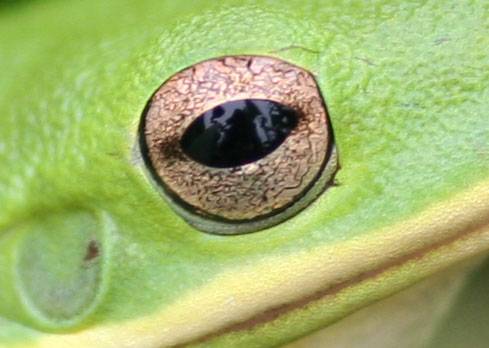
(447, 232)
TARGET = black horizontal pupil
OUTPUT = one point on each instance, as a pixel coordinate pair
(238, 132)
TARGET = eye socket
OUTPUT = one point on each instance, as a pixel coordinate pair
(239, 143)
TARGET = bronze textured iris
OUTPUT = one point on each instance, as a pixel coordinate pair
(239, 143)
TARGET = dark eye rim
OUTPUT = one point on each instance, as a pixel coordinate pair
(218, 225)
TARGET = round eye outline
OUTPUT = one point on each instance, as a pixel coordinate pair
(298, 83)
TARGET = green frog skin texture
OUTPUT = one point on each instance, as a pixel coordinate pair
(391, 254)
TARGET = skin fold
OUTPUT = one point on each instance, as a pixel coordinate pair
(92, 256)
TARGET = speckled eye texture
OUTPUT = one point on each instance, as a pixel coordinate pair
(239, 143)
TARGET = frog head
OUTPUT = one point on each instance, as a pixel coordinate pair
(95, 250)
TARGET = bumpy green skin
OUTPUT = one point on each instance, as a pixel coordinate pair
(406, 88)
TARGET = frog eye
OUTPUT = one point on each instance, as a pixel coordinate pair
(238, 143)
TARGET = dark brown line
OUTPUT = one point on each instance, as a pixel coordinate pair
(272, 314)
(365, 60)
(295, 47)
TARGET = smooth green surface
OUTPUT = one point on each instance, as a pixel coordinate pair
(467, 325)
(61, 296)
(406, 89)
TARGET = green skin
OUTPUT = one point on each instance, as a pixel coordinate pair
(92, 256)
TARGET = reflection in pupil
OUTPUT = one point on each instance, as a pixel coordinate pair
(238, 132)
